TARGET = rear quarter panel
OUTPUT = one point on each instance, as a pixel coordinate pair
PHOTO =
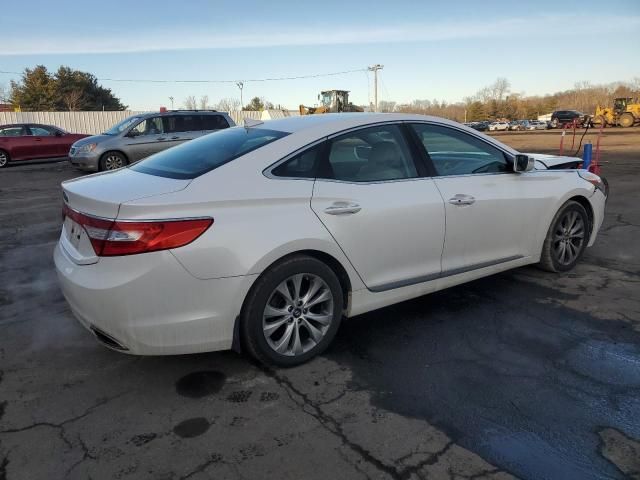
(257, 221)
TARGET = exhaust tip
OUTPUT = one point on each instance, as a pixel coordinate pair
(108, 340)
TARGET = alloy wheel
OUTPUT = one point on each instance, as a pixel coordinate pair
(3, 159)
(568, 237)
(298, 314)
(113, 162)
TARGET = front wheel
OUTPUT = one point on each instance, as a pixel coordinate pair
(554, 123)
(292, 313)
(112, 161)
(566, 239)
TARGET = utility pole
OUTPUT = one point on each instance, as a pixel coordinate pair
(241, 86)
(171, 100)
(374, 69)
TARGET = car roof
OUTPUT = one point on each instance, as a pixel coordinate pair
(330, 122)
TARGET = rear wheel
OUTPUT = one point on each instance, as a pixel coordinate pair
(626, 120)
(4, 159)
(566, 239)
(292, 313)
(112, 161)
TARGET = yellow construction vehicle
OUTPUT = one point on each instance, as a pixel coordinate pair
(625, 112)
(331, 101)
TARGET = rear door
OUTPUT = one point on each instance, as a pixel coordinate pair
(491, 211)
(374, 199)
(14, 139)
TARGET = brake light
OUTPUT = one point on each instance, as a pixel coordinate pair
(113, 237)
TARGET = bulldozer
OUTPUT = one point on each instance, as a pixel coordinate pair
(625, 112)
(331, 101)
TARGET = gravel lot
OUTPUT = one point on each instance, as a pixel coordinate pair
(524, 374)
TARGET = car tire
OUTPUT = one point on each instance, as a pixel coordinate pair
(566, 239)
(287, 330)
(4, 159)
(554, 123)
(112, 161)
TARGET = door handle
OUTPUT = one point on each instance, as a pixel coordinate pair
(175, 137)
(161, 138)
(343, 208)
(461, 199)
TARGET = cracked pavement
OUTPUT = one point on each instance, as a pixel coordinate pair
(525, 374)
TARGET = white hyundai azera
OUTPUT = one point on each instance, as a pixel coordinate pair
(264, 237)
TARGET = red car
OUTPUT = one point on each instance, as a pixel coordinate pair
(30, 141)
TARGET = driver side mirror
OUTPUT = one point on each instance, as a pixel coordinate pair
(523, 163)
(132, 134)
(58, 133)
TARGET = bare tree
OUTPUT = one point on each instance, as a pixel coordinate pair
(228, 105)
(204, 102)
(386, 106)
(4, 93)
(190, 103)
(73, 99)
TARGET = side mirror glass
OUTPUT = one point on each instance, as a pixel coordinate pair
(58, 133)
(132, 133)
(523, 163)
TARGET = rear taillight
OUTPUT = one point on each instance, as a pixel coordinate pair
(113, 237)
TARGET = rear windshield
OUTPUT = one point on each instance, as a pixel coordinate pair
(194, 158)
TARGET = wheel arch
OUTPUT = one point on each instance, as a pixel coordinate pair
(115, 150)
(331, 261)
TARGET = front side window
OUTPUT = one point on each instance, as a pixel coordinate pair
(453, 152)
(122, 126)
(196, 157)
(150, 126)
(12, 132)
(40, 131)
(302, 165)
(369, 155)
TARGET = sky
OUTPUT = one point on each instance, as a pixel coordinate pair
(429, 49)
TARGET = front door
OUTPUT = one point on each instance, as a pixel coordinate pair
(146, 138)
(385, 216)
(488, 207)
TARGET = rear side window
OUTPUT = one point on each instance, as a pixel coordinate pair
(302, 165)
(214, 122)
(196, 157)
(183, 123)
(12, 132)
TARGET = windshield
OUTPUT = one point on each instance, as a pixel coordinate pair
(194, 158)
(122, 126)
(326, 99)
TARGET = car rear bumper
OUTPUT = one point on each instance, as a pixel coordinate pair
(85, 162)
(149, 304)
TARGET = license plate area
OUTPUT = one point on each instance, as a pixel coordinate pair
(74, 232)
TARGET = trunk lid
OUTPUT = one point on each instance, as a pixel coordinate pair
(101, 195)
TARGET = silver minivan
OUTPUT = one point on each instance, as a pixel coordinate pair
(139, 136)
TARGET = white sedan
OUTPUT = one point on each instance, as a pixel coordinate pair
(497, 126)
(264, 237)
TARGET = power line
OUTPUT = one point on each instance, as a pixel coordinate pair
(269, 79)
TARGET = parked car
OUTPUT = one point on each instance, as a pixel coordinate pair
(537, 125)
(266, 236)
(139, 136)
(480, 126)
(498, 126)
(32, 141)
(562, 117)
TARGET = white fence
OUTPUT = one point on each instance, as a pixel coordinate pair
(98, 122)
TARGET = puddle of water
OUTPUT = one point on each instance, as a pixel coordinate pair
(200, 384)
